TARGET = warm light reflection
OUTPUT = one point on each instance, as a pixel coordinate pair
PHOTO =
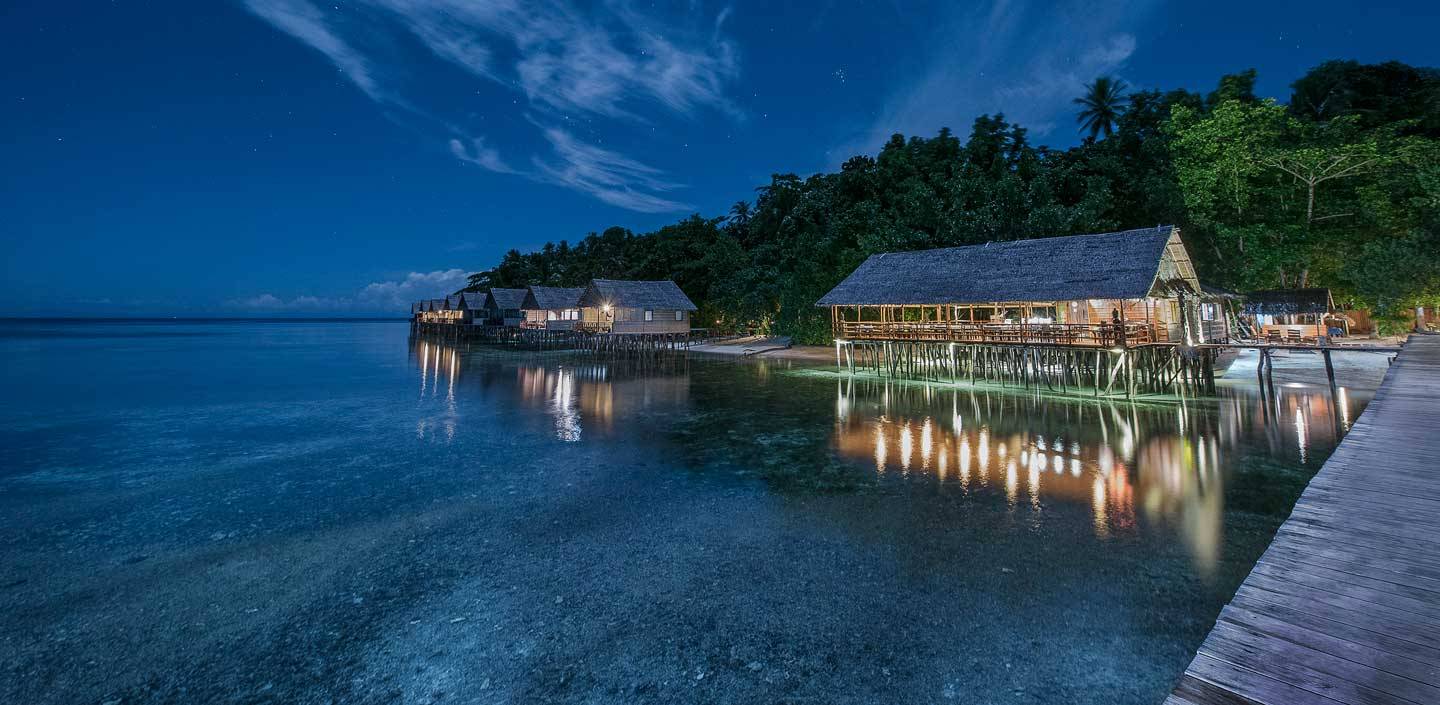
(1132, 465)
(965, 462)
(1011, 482)
(907, 446)
(926, 439)
(1097, 506)
(1300, 440)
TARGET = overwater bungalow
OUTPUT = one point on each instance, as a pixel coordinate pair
(614, 306)
(503, 307)
(1111, 289)
(1294, 316)
(473, 304)
(552, 307)
(430, 310)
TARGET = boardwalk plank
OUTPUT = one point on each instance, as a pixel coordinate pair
(1344, 606)
(1381, 660)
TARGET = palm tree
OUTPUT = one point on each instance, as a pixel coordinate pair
(740, 213)
(1101, 106)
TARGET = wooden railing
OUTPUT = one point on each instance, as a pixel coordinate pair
(1082, 334)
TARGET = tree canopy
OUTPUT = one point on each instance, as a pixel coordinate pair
(1339, 188)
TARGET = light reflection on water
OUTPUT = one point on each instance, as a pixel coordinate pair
(1130, 463)
(579, 395)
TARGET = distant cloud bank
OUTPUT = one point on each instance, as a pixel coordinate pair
(376, 297)
(610, 61)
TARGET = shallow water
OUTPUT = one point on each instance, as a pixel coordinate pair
(331, 512)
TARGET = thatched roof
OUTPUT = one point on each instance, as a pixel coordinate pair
(505, 299)
(472, 300)
(1123, 265)
(1286, 302)
(552, 298)
(636, 294)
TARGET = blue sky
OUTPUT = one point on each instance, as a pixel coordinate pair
(292, 156)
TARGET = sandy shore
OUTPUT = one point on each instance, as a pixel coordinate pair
(771, 347)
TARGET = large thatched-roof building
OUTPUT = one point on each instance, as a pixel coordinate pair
(617, 306)
(1076, 290)
(552, 307)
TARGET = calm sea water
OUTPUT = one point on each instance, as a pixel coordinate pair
(332, 512)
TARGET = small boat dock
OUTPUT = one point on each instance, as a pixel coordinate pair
(1344, 606)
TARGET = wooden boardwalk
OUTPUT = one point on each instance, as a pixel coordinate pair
(1344, 607)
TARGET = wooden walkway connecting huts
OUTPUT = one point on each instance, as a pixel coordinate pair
(1344, 606)
(1118, 312)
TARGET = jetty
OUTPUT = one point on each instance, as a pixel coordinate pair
(1344, 606)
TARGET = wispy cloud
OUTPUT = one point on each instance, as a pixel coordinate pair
(382, 296)
(608, 61)
(606, 175)
(305, 22)
(475, 151)
(1027, 60)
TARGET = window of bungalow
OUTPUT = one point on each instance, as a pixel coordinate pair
(679, 315)
(982, 314)
(1207, 312)
(1011, 314)
(649, 315)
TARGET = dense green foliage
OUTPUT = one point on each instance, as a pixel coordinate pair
(1341, 188)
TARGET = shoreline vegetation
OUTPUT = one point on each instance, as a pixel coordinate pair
(1338, 188)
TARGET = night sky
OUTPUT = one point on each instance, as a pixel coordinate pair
(295, 157)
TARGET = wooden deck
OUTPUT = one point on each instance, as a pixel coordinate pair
(1344, 607)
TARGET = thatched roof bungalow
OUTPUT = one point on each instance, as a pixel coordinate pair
(502, 306)
(618, 306)
(1078, 289)
(552, 307)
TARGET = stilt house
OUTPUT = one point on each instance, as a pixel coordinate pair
(1110, 289)
(552, 307)
(502, 307)
(615, 306)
